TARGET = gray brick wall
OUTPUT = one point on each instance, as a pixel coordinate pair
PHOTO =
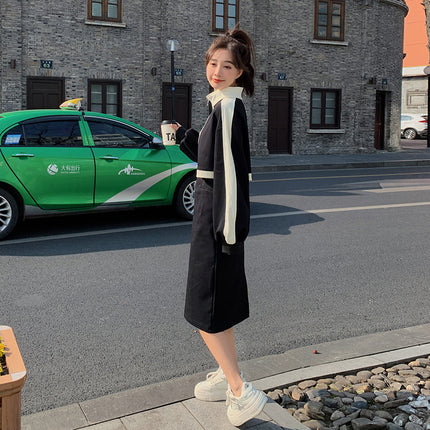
(283, 34)
(11, 49)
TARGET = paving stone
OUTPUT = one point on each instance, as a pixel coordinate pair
(109, 425)
(64, 418)
(172, 417)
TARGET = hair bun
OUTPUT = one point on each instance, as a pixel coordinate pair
(239, 35)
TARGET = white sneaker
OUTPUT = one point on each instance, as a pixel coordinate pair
(242, 409)
(213, 388)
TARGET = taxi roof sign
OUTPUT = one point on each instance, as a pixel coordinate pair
(73, 104)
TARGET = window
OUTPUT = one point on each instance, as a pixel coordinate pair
(416, 98)
(225, 14)
(111, 134)
(105, 97)
(325, 108)
(44, 132)
(329, 19)
(104, 10)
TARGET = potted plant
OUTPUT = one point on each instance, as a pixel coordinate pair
(12, 378)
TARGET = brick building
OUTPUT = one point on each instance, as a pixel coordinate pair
(328, 76)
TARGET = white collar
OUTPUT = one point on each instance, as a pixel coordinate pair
(229, 92)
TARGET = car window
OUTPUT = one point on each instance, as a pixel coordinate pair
(44, 133)
(111, 134)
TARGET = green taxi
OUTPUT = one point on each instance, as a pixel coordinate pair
(73, 160)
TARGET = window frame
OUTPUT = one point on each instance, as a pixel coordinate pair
(329, 20)
(215, 29)
(77, 138)
(104, 17)
(104, 83)
(322, 125)
(148, 144)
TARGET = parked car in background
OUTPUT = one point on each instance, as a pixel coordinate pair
(70, 160)
(413, 125)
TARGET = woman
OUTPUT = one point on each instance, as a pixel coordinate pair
(217, 297)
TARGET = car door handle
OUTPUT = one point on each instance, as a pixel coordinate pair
(22, 155)
(109, 157)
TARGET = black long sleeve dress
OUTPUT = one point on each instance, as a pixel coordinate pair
(217, 294)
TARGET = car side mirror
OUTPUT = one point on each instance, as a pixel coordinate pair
(157, 143)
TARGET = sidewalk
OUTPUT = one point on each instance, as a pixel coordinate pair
(170, 406)
(413, 153)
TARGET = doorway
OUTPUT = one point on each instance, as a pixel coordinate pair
(279, 136)
(182, 103)
(380, 120)
(45, 93)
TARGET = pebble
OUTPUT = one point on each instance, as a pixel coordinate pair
(392, 426)
(315, 424)
(413, 426)
(383, 398)
(401, 420)
(298, 395)
(366, 424)
(307, 384)
(337, 415)
(396, 397)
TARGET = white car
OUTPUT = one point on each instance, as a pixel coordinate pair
(413, 125)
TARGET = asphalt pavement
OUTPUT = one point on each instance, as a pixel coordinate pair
(170, 405)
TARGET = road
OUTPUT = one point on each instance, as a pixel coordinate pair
(96, 301)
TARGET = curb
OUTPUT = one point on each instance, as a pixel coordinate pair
(341, 165)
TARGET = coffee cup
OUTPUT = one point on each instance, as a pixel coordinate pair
(168, 133)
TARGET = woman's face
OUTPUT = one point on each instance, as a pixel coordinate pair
(220, 71)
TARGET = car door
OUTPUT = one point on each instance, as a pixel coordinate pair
(48, 156)
(130, 169)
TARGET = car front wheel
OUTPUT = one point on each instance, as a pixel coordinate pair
(8, 213)
(410, 134)
(184, 203)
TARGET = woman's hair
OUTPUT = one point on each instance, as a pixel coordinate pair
(241, 48)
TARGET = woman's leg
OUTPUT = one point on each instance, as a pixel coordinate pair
(223, 348)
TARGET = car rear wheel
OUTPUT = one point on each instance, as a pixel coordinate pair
(184, 203)
(8, 213)
(410, 133)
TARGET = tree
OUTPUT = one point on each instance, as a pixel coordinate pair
(426, 4)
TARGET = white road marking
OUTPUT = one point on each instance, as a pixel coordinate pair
(94, 233)
(188, 223)
(399, 189)
(299, 178)
(350, 209)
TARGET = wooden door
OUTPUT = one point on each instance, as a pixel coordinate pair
(380, 120)
(45, 93)
(279, 136)
(182, 103)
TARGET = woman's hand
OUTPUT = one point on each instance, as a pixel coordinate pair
(175, 126)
